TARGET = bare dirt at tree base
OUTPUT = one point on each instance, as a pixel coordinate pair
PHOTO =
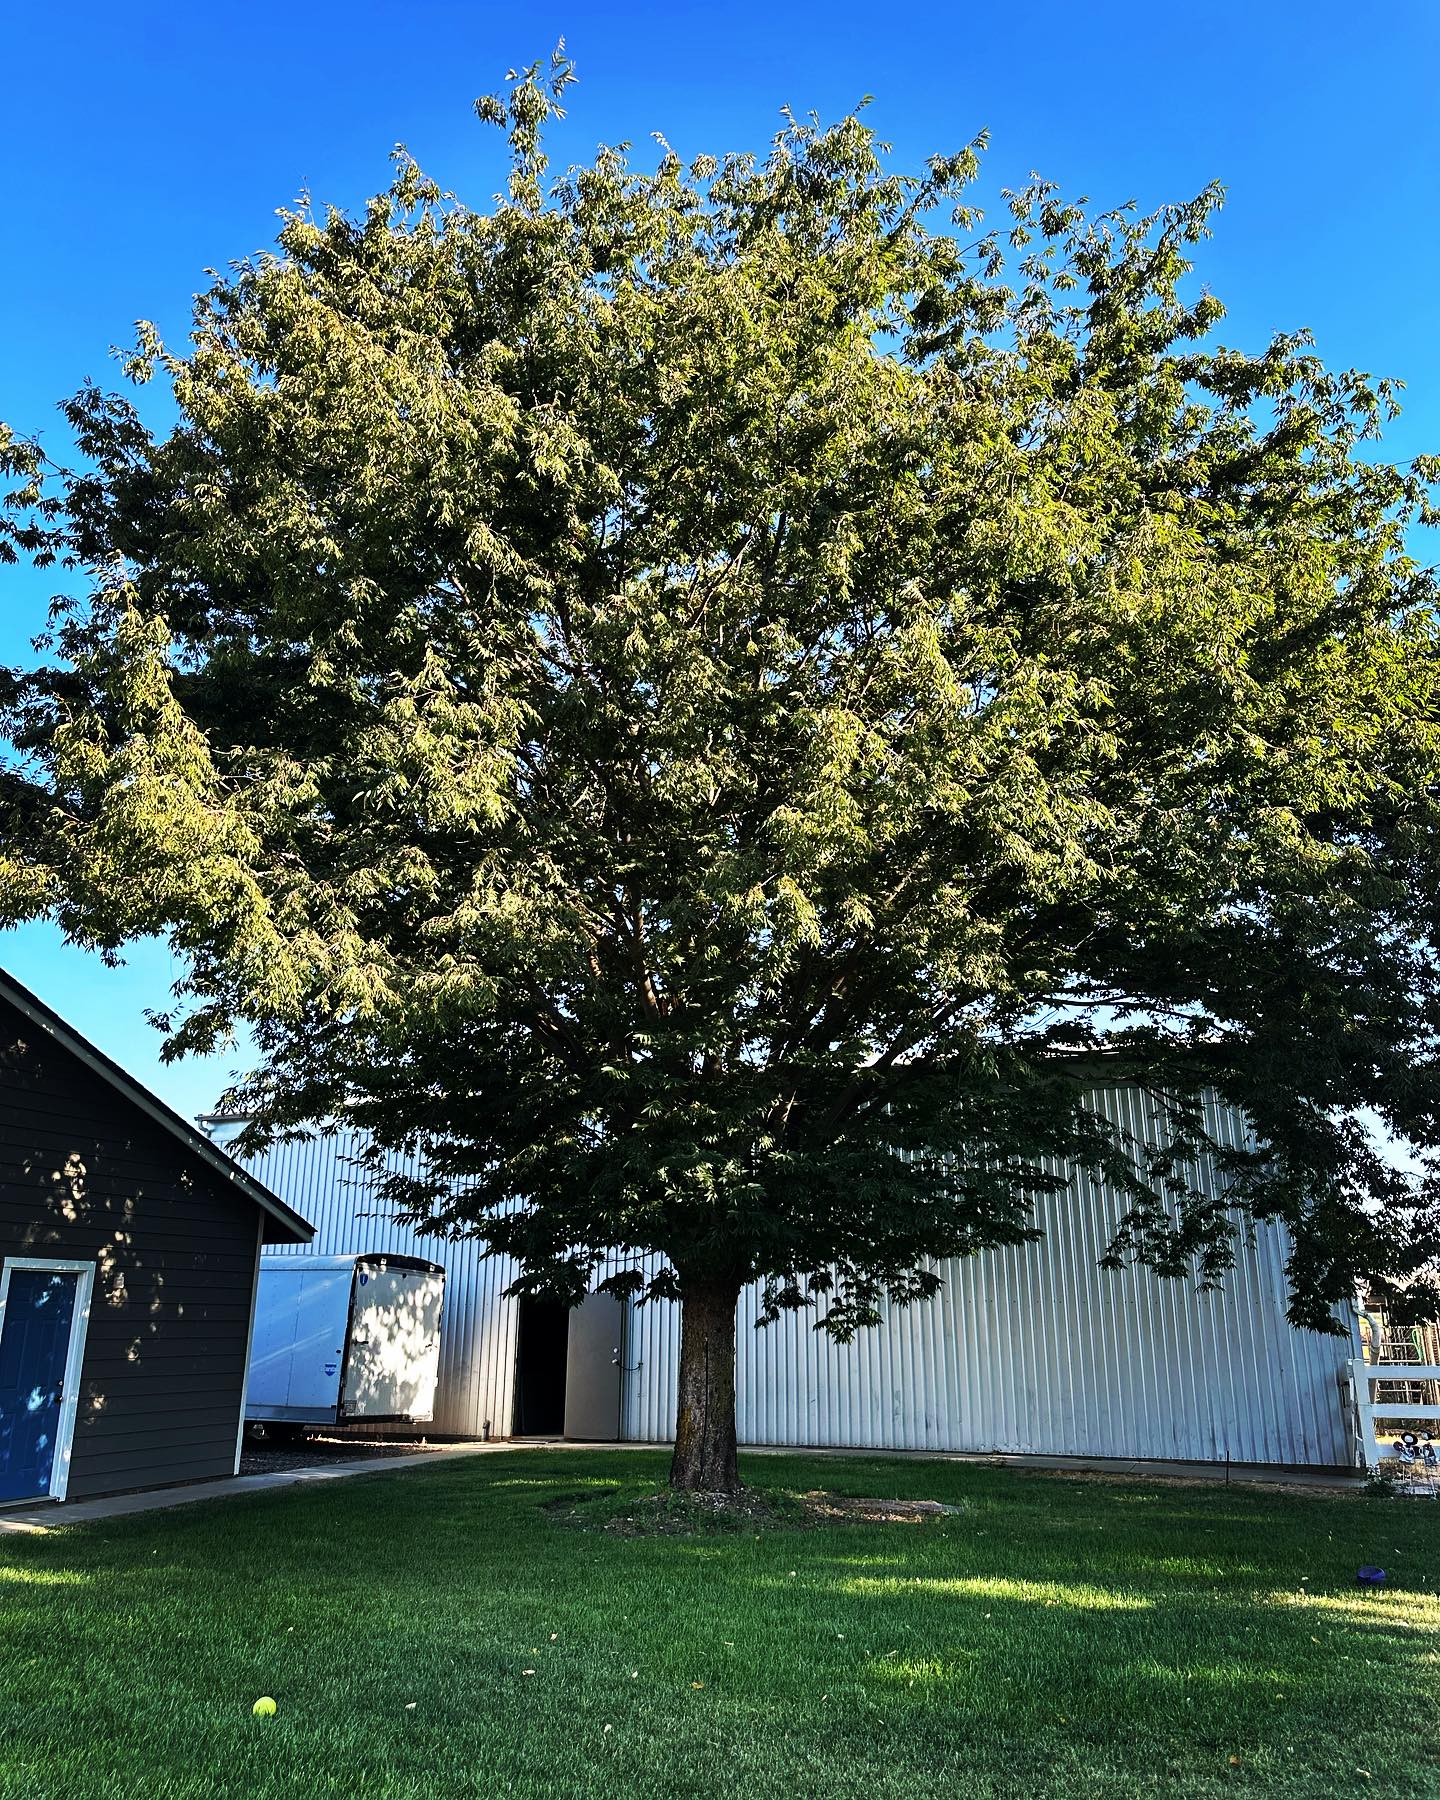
(670, 1514)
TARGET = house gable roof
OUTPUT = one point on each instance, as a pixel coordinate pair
(283, 1225)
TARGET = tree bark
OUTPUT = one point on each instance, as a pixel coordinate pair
(706, 1459)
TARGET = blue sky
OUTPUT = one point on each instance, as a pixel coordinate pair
(148, 142)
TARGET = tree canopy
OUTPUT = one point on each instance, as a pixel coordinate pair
(708, 695)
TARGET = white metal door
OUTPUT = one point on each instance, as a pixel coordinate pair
(593, 1369)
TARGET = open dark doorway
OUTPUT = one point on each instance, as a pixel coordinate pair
(540, 1368)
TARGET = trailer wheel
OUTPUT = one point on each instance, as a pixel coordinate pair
(272, 1433)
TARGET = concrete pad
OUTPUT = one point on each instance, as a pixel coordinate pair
(1213, 1474)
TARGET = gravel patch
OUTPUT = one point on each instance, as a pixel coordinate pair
(326, 1452)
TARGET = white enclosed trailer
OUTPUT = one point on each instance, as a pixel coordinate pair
(345, 1340)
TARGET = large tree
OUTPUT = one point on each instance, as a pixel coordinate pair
(698, 695)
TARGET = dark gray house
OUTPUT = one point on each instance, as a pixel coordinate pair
(129, 1250)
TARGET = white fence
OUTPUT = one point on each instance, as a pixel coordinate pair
(1368, 1406)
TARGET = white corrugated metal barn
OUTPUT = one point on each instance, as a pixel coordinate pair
(1032, 1349)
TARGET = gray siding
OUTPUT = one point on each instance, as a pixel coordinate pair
(85, 1175)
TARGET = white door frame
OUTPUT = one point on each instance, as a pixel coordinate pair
(74, 1356)
(249, 1342)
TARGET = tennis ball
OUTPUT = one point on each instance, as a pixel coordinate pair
(264, 1707)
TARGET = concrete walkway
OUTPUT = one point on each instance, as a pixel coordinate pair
(45, 1516)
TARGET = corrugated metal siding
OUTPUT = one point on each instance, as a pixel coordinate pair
(1035, 1349)
(319, 1178)
(1025, 1349)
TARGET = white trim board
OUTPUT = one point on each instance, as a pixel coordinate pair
(249, 1344)
(74, 1355)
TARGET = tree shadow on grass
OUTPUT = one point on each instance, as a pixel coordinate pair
(1133, 1648)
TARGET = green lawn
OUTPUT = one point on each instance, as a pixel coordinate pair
(1057, 1636)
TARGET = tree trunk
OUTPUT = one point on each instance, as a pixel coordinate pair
(706, 1459)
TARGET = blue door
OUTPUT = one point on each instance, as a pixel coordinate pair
(34, 1345)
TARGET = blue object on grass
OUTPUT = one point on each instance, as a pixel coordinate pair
(1370, 1576)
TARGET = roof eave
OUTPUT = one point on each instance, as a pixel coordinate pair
(283, 1224)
